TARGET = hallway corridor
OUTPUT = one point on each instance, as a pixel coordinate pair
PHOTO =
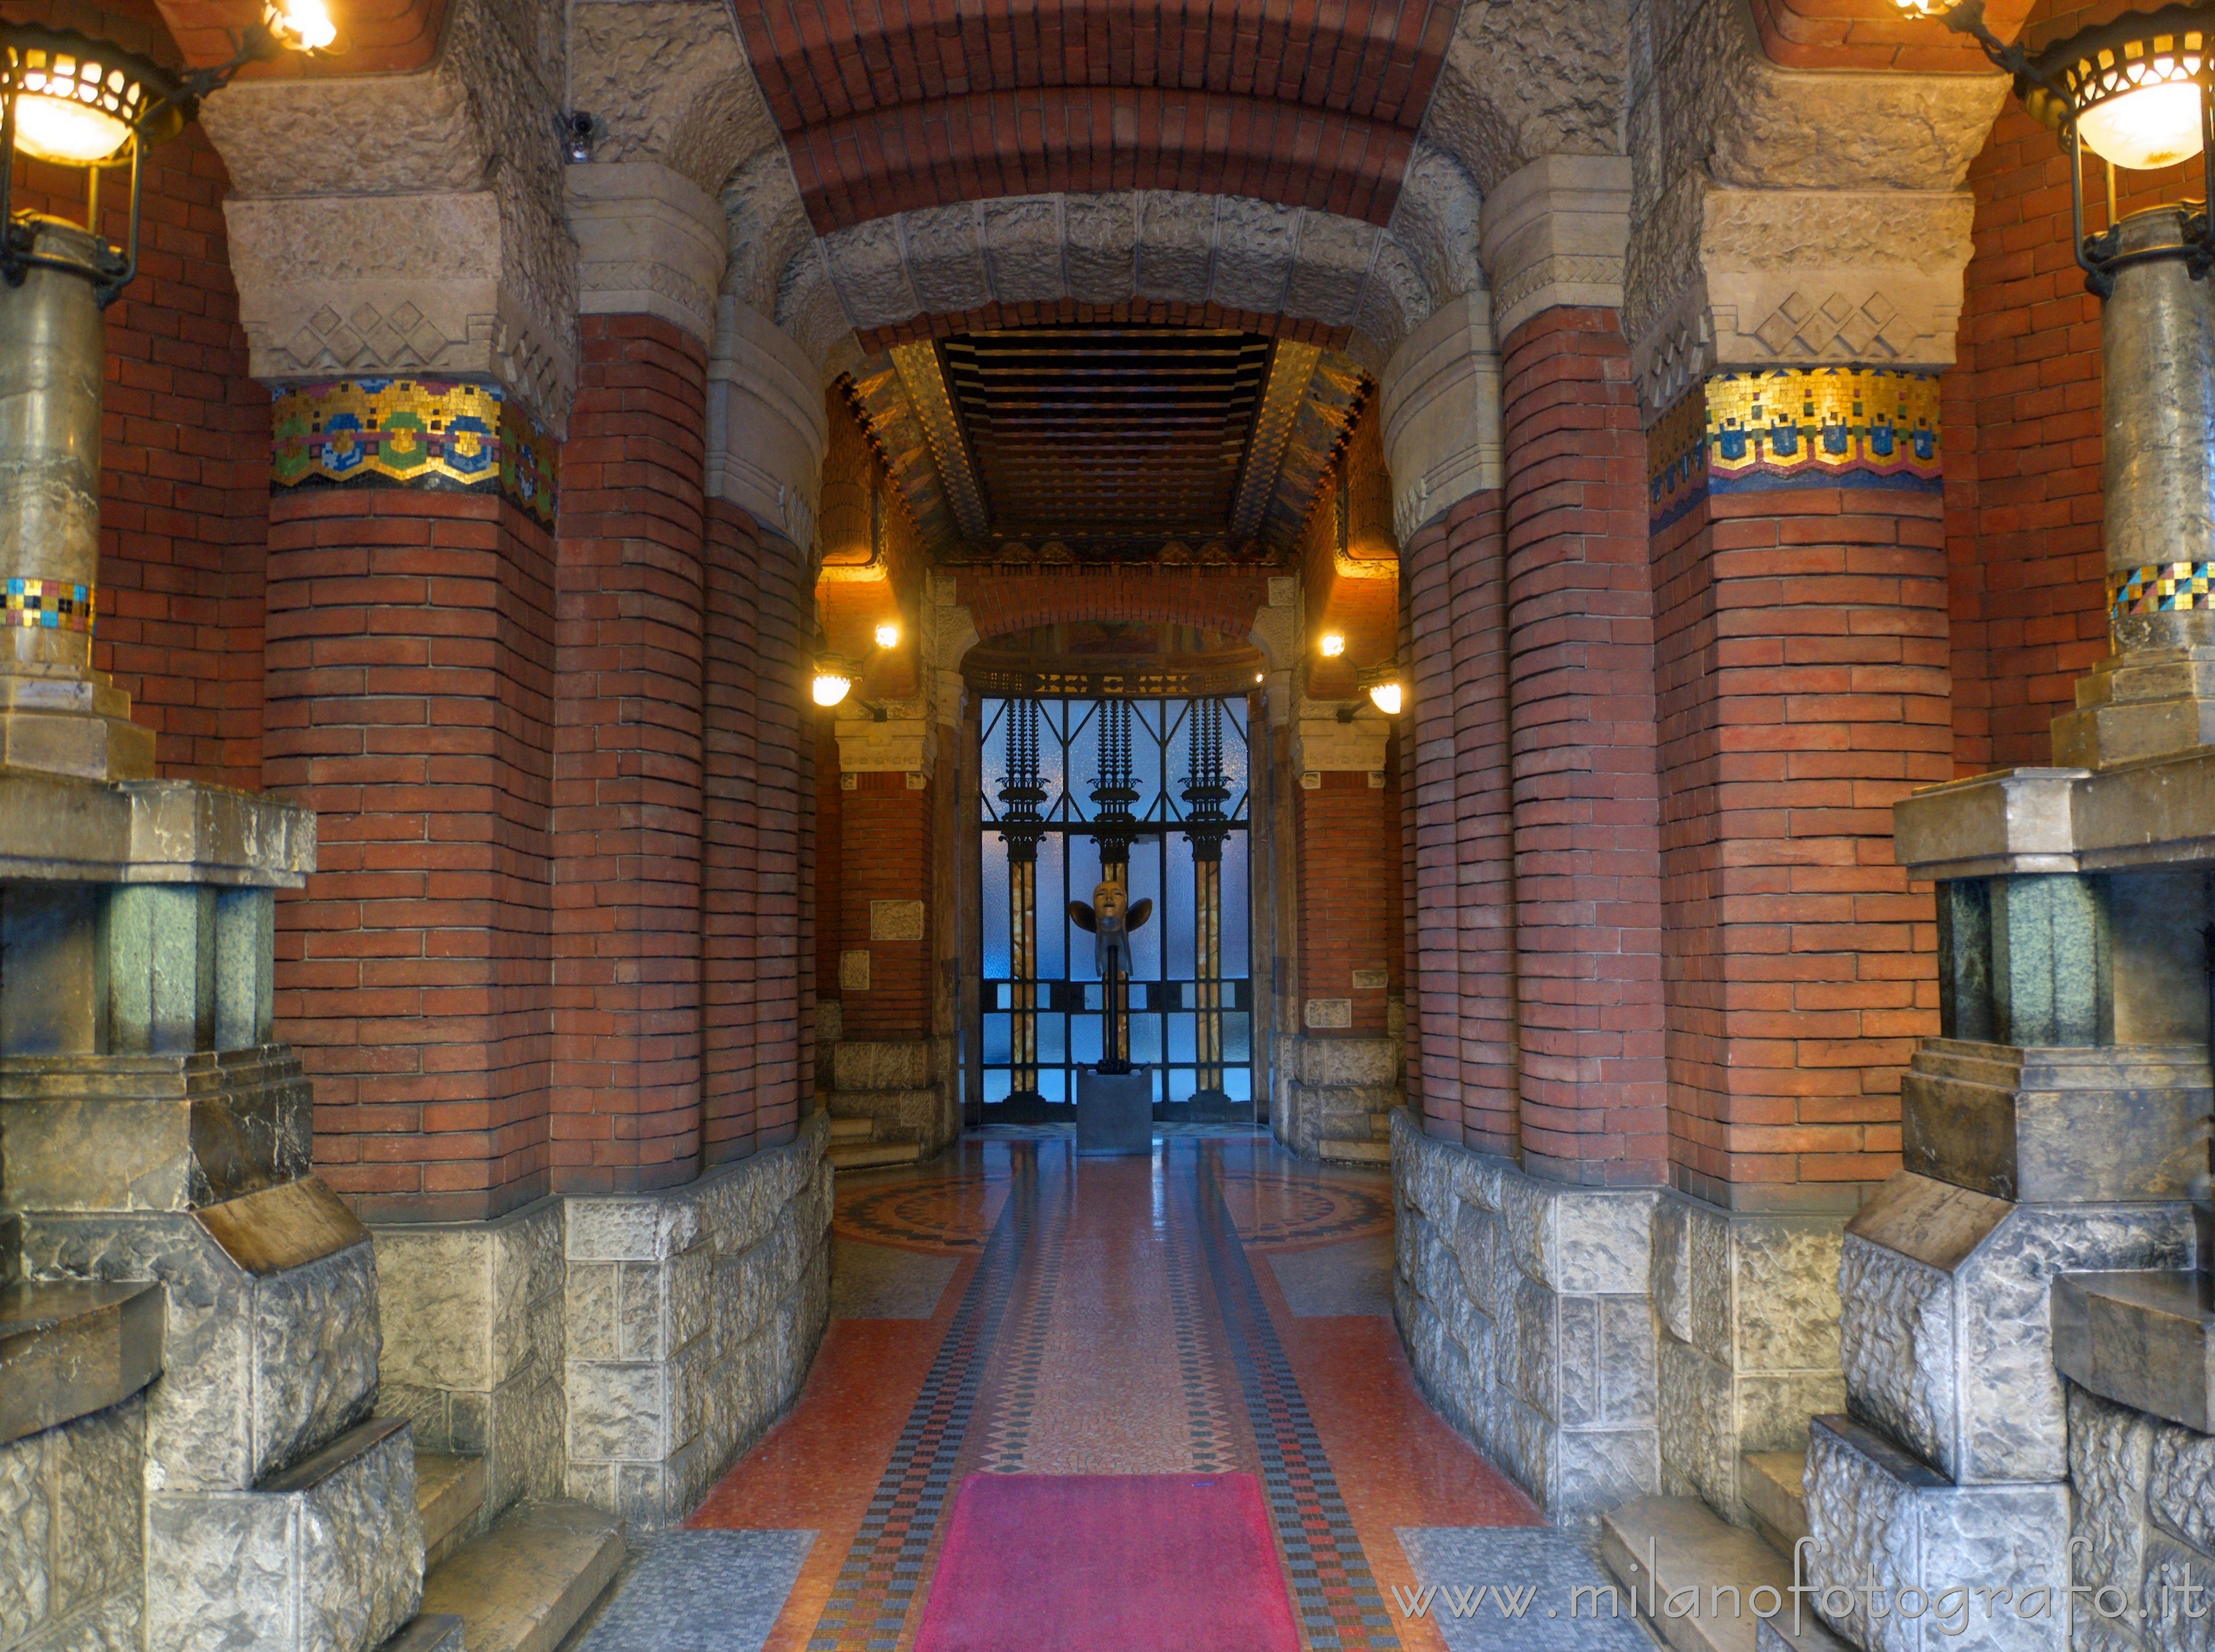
(1220, 1309)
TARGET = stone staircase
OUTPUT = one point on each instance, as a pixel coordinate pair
(1657, 1546)
(522, 1585)
(865, 1143)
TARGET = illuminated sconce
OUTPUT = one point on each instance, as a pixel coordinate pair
(888, 635)
(1384, 688)
(2136, 92)
(1333, 645)
(834, 680)
(302, 25)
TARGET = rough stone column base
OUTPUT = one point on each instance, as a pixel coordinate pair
(1334, 1089)
(902, 1083)
(1526, 1310)
(1746, 1307)
(73, 725)
(2144, 704)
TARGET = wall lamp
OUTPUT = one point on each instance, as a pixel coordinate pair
(2138, 92)
(1332, 644)
(835, 675)
(71, 100)
(1385, 689)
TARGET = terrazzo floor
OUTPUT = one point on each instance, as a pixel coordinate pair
(1008, 1308)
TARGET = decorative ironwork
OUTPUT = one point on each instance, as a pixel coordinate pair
(1167, 779)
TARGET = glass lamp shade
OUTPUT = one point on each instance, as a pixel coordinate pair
(1386, 696)
(78, 101)
(834, 680)
(2136, 85)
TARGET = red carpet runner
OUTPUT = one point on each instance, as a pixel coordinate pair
(1108, 1563)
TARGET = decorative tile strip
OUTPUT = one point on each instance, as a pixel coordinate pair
(1794, 427)
(412, 433)
(2161, 588)
(49, 605)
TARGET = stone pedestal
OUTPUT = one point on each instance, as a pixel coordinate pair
(1115, 1112)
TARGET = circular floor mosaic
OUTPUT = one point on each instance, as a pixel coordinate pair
(1277, 1211)
(948, 1214)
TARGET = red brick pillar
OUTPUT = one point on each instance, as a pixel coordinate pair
(1579, 637)
(410, 656)
(1434, 988)
(758, 796)
(626, 1097)
(1803, 648)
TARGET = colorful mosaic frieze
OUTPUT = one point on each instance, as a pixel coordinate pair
(2161, 588)
(1794, 427)
(412, 433)
(49, 605)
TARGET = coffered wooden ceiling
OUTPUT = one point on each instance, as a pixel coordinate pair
(1109, 443)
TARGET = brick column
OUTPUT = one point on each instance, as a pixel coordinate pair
(410, 667)
(1441, 420)
(1579, 673)
(626, 1096)
(1800, 573)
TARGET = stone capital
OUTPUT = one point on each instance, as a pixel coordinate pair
(1791, 277)
(898, 745)
(1554, 233)
(374, 286)
(1441, 410)
(768, 425)
(650, 242)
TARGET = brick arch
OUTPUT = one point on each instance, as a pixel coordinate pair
(889, 109)
(1005, 599)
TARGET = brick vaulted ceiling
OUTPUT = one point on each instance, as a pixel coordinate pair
(888, 105)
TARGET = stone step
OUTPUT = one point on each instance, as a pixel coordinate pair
(864, 1155)
(1658, 1546)
(1364, 1152)
(67, 1350)
(449, 1492)
(1775, 1495)
(428, 1633)
(523, 1586)
(853, 1130)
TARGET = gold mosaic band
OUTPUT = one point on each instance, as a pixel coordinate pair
(49, 605)
(1794, 427)
(412, 433)
(2161, 588)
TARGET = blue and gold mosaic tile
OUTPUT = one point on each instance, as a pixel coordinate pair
(412, 433)
(1794, 427)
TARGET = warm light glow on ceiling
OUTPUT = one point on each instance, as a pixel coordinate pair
(1386, 696)
(304, 25)
(2156, 125)
(63, 130)
(888, 635)
(1925, 7)
(1333, 645)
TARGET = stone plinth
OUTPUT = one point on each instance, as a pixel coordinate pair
(1525, 1307)
(1945, 1333)
(2047, 1125)
(1330, 1089)
(72, 1506)
(1115, 1112)
(2144, 1340)
(691, 1317)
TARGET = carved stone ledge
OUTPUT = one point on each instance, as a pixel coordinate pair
(649, 242)
(1554, 233)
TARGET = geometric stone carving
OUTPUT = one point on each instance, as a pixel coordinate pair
(1554, 234)
(650, 241)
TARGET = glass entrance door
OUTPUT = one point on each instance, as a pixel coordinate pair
(1170, 778)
